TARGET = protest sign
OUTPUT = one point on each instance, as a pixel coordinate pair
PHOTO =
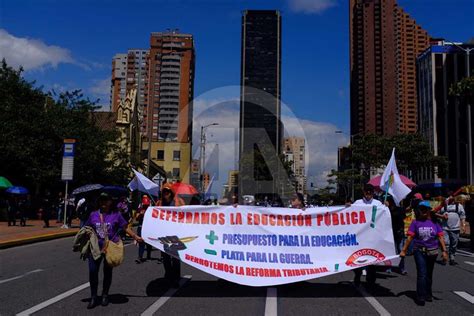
(260, 246)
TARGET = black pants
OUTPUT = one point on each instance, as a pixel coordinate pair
(172, 267)
(371, 274)
(94, 266)
(11, 218)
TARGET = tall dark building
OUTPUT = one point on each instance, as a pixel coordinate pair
(443, 118)
(260, 124)
(384, 44)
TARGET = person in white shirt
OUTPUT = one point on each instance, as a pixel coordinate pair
(368, 199)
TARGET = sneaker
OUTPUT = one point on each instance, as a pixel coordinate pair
(452, 263)
(138, 261)
(404, 272)
(429, 299)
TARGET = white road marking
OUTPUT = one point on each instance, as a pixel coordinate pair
(469, 262)
(20, 276)
(468, 297)
(271, 302)
(53, 300)
(372, 301)
(465, 253)
(162, 300)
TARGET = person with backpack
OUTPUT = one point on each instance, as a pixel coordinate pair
(454, 222)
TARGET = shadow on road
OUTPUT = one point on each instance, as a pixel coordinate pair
(222, 288)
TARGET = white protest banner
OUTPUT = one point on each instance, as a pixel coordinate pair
(260, 246)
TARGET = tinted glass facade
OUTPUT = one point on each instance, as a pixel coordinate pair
(260, 125)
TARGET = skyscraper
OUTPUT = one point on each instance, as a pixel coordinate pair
(443, 118)
(384, 44)
(164, 77)
(260, 125)
(129, 71)
(170, 86)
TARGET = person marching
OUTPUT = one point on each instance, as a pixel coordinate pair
(367, 199)
(106, 223)
(454, 223)
(297, 201)
(172, 264)
(426, 235)
(139, 217)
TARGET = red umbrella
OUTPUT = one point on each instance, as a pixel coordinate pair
(376, 181)
(183, 189)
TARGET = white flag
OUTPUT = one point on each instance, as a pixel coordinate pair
(391, 180)
(143, 184)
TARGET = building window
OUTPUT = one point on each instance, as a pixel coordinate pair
(160, 155)
(175, 172)
(176, 155)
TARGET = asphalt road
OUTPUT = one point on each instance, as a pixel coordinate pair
(49, 279)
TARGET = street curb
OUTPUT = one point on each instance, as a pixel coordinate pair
(31, 240)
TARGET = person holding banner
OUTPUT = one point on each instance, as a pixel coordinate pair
(172, 265)
(106, 225)
(367, 199)
(426, 235)
(297, 201)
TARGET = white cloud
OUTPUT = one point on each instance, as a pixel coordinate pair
(311, 6)
(100, 89)
(321, 140)
(33, 53)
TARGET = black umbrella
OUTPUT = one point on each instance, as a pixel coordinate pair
(115, 190)
(87, 188)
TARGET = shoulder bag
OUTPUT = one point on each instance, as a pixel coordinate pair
(113, 250)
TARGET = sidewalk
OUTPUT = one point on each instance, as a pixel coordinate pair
(11, 236)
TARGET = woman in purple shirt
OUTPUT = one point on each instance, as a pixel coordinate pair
(111, 223)
(426, 235)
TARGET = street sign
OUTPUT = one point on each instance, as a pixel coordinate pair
(68, 160)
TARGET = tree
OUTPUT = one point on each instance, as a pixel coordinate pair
(34, 124)
(371, 152)
(463, 89)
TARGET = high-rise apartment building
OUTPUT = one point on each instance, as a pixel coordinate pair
(129, 71)
(384, 44)
(170, 86)
(294, 150)
(260, 124)
(443, 118)
(164, 78)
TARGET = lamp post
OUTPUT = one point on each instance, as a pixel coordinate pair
(202, 156)
(469, 126)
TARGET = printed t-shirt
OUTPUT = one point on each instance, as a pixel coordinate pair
(425, 233)
(113, 221)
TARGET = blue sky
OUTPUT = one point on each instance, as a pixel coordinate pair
(74, 42)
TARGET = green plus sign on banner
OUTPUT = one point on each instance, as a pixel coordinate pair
(212, 237)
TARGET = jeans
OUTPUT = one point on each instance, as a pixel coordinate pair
(424, 274)
(142, 245)
(399, 247)
(94, 266)
(451, 238)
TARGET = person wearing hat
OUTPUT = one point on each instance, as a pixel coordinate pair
(105, 222)
(426, 235)
(172, 265)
